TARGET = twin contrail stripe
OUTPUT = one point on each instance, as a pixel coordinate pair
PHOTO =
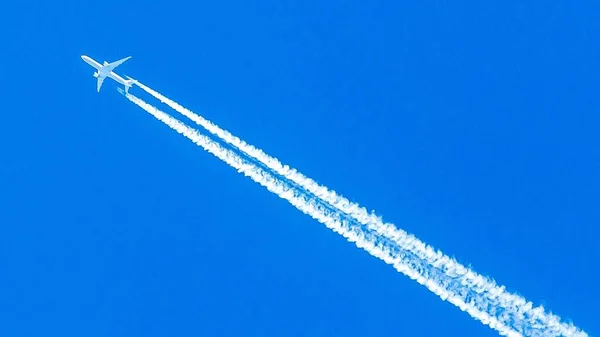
(477, 295)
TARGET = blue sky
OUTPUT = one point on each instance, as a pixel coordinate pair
(473, 126)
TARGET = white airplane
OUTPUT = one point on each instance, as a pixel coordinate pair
(106, 70)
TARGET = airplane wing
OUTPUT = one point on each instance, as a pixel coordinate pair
(99, 83)
(113, 65)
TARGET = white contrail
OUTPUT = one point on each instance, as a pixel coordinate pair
(510, 308)
(367, 240)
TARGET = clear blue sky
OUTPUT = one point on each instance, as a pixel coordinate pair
(473, 126)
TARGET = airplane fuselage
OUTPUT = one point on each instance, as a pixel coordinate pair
(106, 70)
(102, 71)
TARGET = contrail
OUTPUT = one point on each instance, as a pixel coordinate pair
(365, 239)
(512, 309)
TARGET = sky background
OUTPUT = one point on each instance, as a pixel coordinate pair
(473, 126)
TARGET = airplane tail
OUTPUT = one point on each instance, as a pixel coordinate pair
(129, 82)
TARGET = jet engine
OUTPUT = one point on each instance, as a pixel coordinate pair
(96, 74)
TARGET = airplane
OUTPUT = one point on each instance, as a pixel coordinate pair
(106, 70)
